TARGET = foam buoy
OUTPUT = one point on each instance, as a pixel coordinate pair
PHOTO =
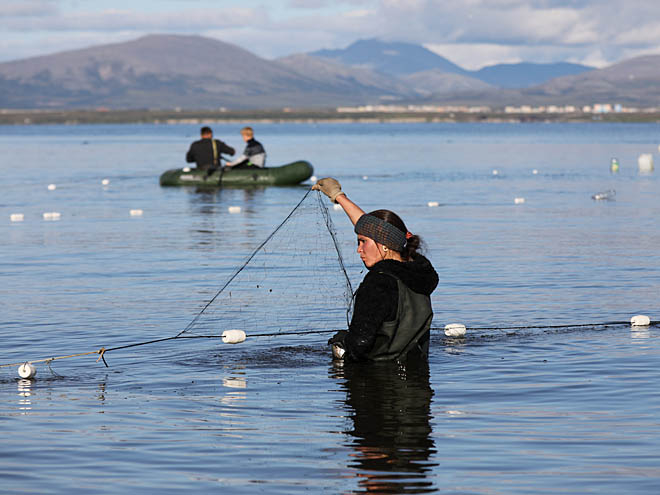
(535, 172)
(26, 370)
(105, 182)
(234, 209)
(52, 187)
(313, 179)
(432, 204)
(16, 217)
(365, 177)
(645, 163)
(136, 213)
(52, 215)
(496, 172)
(518, 201)
(455, 330)
(337, 207)
(233, 336)
(640, 321)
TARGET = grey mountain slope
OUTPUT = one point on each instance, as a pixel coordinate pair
(525, 74)
(163, 71)
(166, 71)
(436, 81)
(394, 58)
(328, 71)
(402, 59)
(635, 80)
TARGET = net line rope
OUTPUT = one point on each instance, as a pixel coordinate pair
(101, 352)
(242, 267)
(328, 223)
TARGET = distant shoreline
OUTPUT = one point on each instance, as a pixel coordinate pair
(73, 117)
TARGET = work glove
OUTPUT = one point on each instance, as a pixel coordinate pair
(330, 187)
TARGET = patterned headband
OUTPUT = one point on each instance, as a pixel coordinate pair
(381, 231)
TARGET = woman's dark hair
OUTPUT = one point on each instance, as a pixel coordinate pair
(414, 244)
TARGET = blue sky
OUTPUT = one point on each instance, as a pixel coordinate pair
(471, 33)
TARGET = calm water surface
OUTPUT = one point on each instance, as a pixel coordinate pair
(536, 410)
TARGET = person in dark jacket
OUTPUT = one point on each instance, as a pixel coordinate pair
(254, 154)
(206, 152)
(392, 313)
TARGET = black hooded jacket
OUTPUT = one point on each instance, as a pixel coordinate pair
(376, 300)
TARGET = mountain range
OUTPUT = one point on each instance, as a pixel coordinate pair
(193, 72)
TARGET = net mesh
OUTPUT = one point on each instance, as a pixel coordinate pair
(294, 281)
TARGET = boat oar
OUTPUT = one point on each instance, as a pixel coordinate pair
(222, 172)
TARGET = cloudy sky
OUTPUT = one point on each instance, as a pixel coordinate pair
(471, 33)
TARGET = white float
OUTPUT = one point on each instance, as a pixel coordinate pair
(136, 213)
(26, 370)
(313, 179)
(105, 182)
(52, 215)
(496, 172)
(433, 204)
(640, 321)
(234, 209)
(645, 163)
(535, 172)
(233, 336)
(518, 201)
(337, 206)
(365, 177)
(455, 330)
(52, 187)
(16, 217)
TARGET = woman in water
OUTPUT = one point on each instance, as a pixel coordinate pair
(392, 314)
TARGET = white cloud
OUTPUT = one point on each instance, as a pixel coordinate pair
(27, 8)
(472, 32)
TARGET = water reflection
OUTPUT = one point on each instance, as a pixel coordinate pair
(25, 393)
(390, 407)
(211, 209)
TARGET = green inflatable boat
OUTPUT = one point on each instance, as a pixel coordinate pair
(285, 175)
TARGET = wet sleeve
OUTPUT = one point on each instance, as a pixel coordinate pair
(225, 148)
(190, 156)
(375, 302)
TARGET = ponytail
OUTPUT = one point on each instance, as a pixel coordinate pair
(414, 243)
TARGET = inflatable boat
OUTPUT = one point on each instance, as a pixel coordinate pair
(284, 175)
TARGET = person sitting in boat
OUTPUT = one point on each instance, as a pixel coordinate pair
(206, 152)
(392, 314)
(254, 154)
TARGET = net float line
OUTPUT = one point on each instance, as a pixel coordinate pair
(234, 338)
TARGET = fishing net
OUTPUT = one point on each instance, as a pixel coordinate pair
(294, 281)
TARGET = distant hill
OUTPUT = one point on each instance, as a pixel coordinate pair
(396, 58)
(393, 58)
(433, 82)
(324, 71)
(193, 72)
(165, 71)
(526, 74)
(635, 81)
